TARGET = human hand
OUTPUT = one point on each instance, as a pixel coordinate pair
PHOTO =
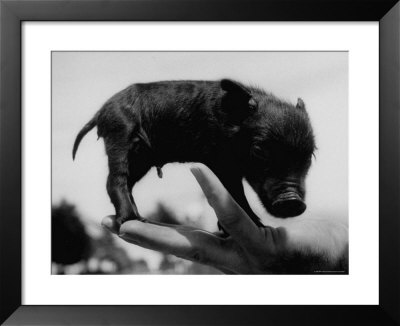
(248, 249)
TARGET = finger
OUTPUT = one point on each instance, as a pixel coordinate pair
(231, 216)
(188, 243)
(110, 224)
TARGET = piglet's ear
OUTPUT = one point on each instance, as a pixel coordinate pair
(300, 104)
(234, 88)
(237, 102)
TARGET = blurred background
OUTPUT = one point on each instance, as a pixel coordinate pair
(83, 81)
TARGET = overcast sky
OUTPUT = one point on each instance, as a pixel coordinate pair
(83, 81)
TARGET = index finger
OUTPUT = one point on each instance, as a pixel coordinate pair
(229, 213)
(188, 243)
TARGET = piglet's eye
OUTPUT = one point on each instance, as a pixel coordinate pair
(260, 154)
(252, 104)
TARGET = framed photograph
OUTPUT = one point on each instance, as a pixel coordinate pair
(193, 162)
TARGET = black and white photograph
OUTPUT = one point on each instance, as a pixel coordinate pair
(199, 162)
(171, 162)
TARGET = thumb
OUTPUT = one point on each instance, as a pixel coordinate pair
(231, 216)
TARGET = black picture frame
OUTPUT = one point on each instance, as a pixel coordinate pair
(14, 12)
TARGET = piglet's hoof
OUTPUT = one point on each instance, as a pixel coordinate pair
(122, 219)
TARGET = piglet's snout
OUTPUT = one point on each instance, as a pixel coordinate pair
(288, 203)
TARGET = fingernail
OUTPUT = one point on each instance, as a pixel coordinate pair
(196, 171)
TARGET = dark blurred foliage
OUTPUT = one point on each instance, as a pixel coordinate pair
(163, 215)
(174, 265)
(73, 246)
(106, 250)
(69, 241)
(74, 250)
